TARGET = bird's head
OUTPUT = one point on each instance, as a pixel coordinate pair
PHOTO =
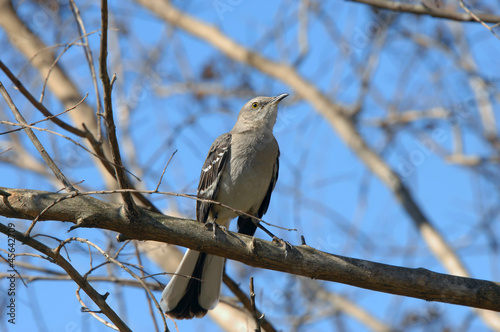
(260, 112)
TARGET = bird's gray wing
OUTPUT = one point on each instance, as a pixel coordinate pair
(245, 224)
(211, 173)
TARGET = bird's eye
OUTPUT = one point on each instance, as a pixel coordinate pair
(255, 104)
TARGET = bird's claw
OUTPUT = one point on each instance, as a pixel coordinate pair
(213, 226)
(284, 243)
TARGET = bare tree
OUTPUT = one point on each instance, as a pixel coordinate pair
(389, 170)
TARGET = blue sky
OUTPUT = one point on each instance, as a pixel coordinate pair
(324, 191)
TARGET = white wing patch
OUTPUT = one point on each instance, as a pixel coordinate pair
(211, 173)
(215, 161)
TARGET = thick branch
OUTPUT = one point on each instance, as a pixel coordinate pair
(302, 260)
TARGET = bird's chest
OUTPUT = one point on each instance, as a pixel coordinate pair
(247, 176)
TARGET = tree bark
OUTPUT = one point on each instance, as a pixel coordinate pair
(89, 212)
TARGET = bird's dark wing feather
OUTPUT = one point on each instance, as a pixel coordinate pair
(245, 224)
(211, 173)
(274, 179)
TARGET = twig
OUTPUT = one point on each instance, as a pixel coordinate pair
(164, 169)
(48, 160)
(97, 155)
(255, 313)
(116, 191)
(128, 201)
(148, 300)
(30, 228)
(13, 268)
(50, 117)
(51, 68)
(72, 272)
(118, 263)
(1, 153)
(477, 18)
(90, 61)
(39, 105)
(93, 313)
(233, 286)
(63, 277)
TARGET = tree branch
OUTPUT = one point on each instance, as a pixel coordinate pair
(302, 260)
(121, 178)
(397, 6)
(70, 270)
(36, 142)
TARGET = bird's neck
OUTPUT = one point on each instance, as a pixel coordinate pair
(261, 125)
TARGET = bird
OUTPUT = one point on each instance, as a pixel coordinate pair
(240, 171)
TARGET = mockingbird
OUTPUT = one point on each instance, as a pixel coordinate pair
(240, 171)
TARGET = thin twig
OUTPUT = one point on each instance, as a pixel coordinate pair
(117, 191)
(72, 272)
(118, 263)
(164, 169)
(50, 117)
(28, 231)
(93, 313)
(236, 290)
(90, 61)
(256, 315)
(1, 153)
(39, 105)
(478, 19)
(48, 160)
(148, 300)
(105, 161)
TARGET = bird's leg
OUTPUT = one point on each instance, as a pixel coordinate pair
(212, 225)
(276, 239)
(284, 243)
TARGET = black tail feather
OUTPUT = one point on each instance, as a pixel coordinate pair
(189, 307)
(246, 226)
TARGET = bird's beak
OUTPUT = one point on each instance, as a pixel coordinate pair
(279, 98)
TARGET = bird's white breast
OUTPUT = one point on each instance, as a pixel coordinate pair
(247, 176)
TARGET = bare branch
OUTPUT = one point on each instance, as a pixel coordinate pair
(90, 61)
(128, 201)
(71, 271)
(426, 10)
(39, 105)
(48, 160)
(478, 19)
(302, 260)
(247, 303)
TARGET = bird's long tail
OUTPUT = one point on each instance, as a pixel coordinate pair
(195, 287)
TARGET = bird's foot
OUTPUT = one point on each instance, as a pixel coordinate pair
(213, 226)
(284, 243)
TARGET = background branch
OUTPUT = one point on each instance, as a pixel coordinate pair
(423, 9)
(98, 299)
